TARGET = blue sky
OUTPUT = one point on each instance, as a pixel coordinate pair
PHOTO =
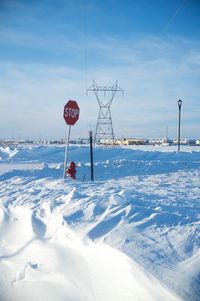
(50, 51)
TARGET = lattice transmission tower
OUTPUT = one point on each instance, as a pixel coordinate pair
(104, 127)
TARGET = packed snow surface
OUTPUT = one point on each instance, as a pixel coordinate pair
(132, 234)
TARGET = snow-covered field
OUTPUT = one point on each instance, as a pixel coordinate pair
(132, 234)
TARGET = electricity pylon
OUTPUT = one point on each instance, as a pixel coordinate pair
(104, 127)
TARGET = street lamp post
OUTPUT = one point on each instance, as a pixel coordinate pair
(179, 123)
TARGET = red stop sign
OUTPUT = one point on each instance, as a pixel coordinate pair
(71, 112)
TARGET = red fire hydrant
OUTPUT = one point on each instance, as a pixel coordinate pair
(71, 171)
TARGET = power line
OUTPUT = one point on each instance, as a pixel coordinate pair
(174, 15)
(85, 40)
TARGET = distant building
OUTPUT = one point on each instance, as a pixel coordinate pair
(157, 141)
(131, 141)
(183, 141)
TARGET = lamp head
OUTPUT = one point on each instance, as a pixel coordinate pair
(179, 103)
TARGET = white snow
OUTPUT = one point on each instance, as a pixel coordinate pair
(132, 234)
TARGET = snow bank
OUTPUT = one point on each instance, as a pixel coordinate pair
(55, 154)
(109, 163)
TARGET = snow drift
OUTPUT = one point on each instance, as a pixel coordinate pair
(44, 259)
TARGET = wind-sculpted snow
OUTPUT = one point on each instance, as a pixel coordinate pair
(6, 153)
(54, 234)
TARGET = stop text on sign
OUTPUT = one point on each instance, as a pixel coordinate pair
(71, 112)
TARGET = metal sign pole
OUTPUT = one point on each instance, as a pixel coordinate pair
(66, 152)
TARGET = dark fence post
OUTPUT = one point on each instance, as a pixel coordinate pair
(91, 156)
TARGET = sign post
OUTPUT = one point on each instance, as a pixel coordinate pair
(66, 152)
(71, 116)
